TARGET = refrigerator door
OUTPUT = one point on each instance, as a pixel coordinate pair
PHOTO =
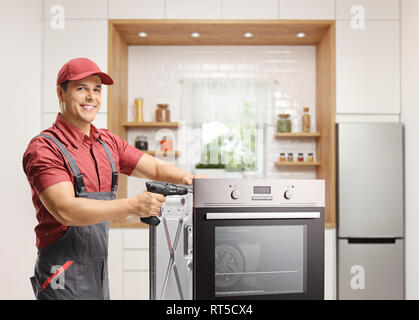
(370, 180)
(370, 271)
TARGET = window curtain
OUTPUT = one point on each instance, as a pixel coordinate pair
(231, 114)
(225, 100)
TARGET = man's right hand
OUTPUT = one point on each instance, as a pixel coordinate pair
(147, 204)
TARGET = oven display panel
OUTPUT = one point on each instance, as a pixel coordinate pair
(262, 190)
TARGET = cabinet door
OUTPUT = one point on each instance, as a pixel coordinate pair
(370, 180)
(136, 9)
(370, 271)
(193, 9)
(368, 68)
(374, 9)
(250, 9)
(307, 9)
(78, 38)
(77, 9)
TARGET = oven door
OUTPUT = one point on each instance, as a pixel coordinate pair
(258, 253)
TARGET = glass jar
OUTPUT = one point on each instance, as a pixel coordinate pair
(166, 144)
(283, 123)
(290, 157)
(141, 143)
(300, 157)
(162, 113)
(310, 157)
(306, 120)
(282, 157)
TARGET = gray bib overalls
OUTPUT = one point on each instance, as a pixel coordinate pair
(75, 266)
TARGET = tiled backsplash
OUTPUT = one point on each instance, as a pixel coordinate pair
(156, 73)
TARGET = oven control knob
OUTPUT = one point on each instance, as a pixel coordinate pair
(288, 194)
(235, 194)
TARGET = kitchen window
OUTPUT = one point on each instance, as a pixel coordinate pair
(230, 114)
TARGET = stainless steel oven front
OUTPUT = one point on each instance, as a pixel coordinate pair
(241, 239)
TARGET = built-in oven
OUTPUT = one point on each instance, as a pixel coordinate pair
(242, 239)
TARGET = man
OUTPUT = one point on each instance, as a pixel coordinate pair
(72, 167)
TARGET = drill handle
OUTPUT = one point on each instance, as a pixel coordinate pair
(152, 221)
(155, 187)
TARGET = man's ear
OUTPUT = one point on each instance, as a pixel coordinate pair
(60, 94)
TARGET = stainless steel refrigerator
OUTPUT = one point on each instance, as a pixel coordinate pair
(370, 208)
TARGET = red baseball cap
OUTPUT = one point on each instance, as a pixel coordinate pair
(81, 68)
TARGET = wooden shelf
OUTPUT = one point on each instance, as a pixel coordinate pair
(151, 124)
(165, 153)
(297, 164)
(297, 135)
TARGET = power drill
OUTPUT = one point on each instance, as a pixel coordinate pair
(166, 189)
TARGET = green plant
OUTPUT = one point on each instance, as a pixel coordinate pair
(210, 166)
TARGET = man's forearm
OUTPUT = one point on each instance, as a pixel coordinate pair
(168, 172)
(84, 212)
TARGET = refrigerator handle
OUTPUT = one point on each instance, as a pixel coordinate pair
(372, 240)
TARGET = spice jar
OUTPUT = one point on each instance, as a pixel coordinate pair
(306, 120)
(300, 157)
(141, 143)
(310, 157)
(282, 157)
(290, 157)
(283, 123)
(162, 113)
(166, 144)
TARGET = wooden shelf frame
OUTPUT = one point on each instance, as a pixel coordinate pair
(297, 164)
(297, 135)
(170, 125)
(153, 152)
(321, 33)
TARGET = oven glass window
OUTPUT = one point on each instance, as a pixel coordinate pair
(260, 260)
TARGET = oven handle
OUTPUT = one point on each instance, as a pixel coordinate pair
(261, 215)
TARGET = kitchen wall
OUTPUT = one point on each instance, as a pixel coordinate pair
(377, 67)
(156, 73)
(410, 116)
(20, 87)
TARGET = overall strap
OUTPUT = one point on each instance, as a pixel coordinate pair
(78, 178)
(111, 160)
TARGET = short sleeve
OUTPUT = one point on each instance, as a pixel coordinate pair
(43, 165)
(128, 155)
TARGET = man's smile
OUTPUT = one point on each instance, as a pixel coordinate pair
(88, 107)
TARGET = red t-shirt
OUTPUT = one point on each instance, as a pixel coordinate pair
(44, 166)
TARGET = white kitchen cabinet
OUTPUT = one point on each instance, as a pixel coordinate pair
(250, 9)
(136, 9)
(193, 9)
(374, 9)
(136, 238)
(136, 285)
(116, 263)
(368, 68)
(307, 9)
(79, 38)
(136, 260)
(410, 115)
(330, 264)
(76, 9)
